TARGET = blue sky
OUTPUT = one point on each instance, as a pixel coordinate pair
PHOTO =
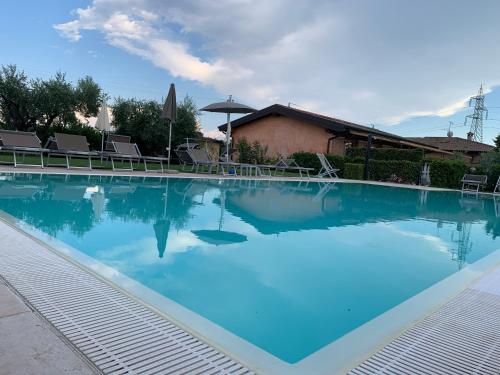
(407, 67)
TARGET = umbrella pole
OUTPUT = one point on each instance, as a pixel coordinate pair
(169, 143)
(102, 144)
(228, 137)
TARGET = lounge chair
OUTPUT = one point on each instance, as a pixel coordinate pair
(115, 138)
(326, 167)
(70, 146)
(181, 151)
(497, 186)
(472, 182)
(24, 143)
(130, 152)
(284, 165)
(201, 159)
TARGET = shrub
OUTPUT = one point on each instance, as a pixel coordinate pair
(310, 160)
(254, 153)
(395, 170)
(447, 173)
(493, 174)
(415, 155)
(353, 171)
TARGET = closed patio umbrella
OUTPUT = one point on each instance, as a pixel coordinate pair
(228, 107)
(169, 114)
(102, 123)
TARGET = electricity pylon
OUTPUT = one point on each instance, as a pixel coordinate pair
(480, 114)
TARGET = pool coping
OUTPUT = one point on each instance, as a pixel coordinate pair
(337, 357)
(109, 173)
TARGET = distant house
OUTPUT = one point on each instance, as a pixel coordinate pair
(286, 130)
(459, 145)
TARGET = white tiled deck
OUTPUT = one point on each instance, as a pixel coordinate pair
(462, 337)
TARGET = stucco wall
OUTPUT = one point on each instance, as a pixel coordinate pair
(283, 136)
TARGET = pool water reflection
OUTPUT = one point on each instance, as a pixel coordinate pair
(287, 266)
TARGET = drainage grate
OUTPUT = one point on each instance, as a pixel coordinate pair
(116, 333)
(462, 337)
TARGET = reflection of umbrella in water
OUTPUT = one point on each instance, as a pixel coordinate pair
(98, 203)
(161, 228)
(219, 237)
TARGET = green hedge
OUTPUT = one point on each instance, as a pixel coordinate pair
(414, 155)
(310, 160)
(395, 170)
(493, 174)
(353, 171)
(447, 173)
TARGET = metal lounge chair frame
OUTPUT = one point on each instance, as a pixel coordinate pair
(115, 138)
(130, 151)
(326, 167)
(70, 146)
(201, 159)
(472, 182)
(24, 143)
(291, 165)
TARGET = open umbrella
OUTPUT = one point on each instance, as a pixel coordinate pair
(169, 114)
(102, 123)
(229, 106)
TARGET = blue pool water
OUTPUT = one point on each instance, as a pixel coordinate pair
(288, 267)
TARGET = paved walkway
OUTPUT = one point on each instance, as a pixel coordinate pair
(29, 346)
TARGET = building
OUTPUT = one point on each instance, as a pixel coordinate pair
(285, 130)
(464, 146)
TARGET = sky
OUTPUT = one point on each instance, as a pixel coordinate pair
(403, 66)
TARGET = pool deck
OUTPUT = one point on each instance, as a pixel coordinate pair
(75, 322)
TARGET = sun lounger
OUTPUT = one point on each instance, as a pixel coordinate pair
(284, 165)
(201, 159)
(497, 186)
(472, 182)
(21, 143)
(70, 146)
(115, 138)
(130, 152)
(183, 155)
(326, 167)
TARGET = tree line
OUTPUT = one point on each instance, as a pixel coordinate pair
(54, 104)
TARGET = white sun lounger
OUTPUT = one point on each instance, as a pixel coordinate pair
(326, 167)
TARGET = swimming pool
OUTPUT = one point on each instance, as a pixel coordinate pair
(288, 267)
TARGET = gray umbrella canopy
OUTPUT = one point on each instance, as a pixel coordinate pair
(170, 107)
(228, 107)
(169, 114)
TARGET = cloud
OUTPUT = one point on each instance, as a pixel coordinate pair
(372, 62)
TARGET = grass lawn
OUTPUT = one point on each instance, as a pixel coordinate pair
(96, 164)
